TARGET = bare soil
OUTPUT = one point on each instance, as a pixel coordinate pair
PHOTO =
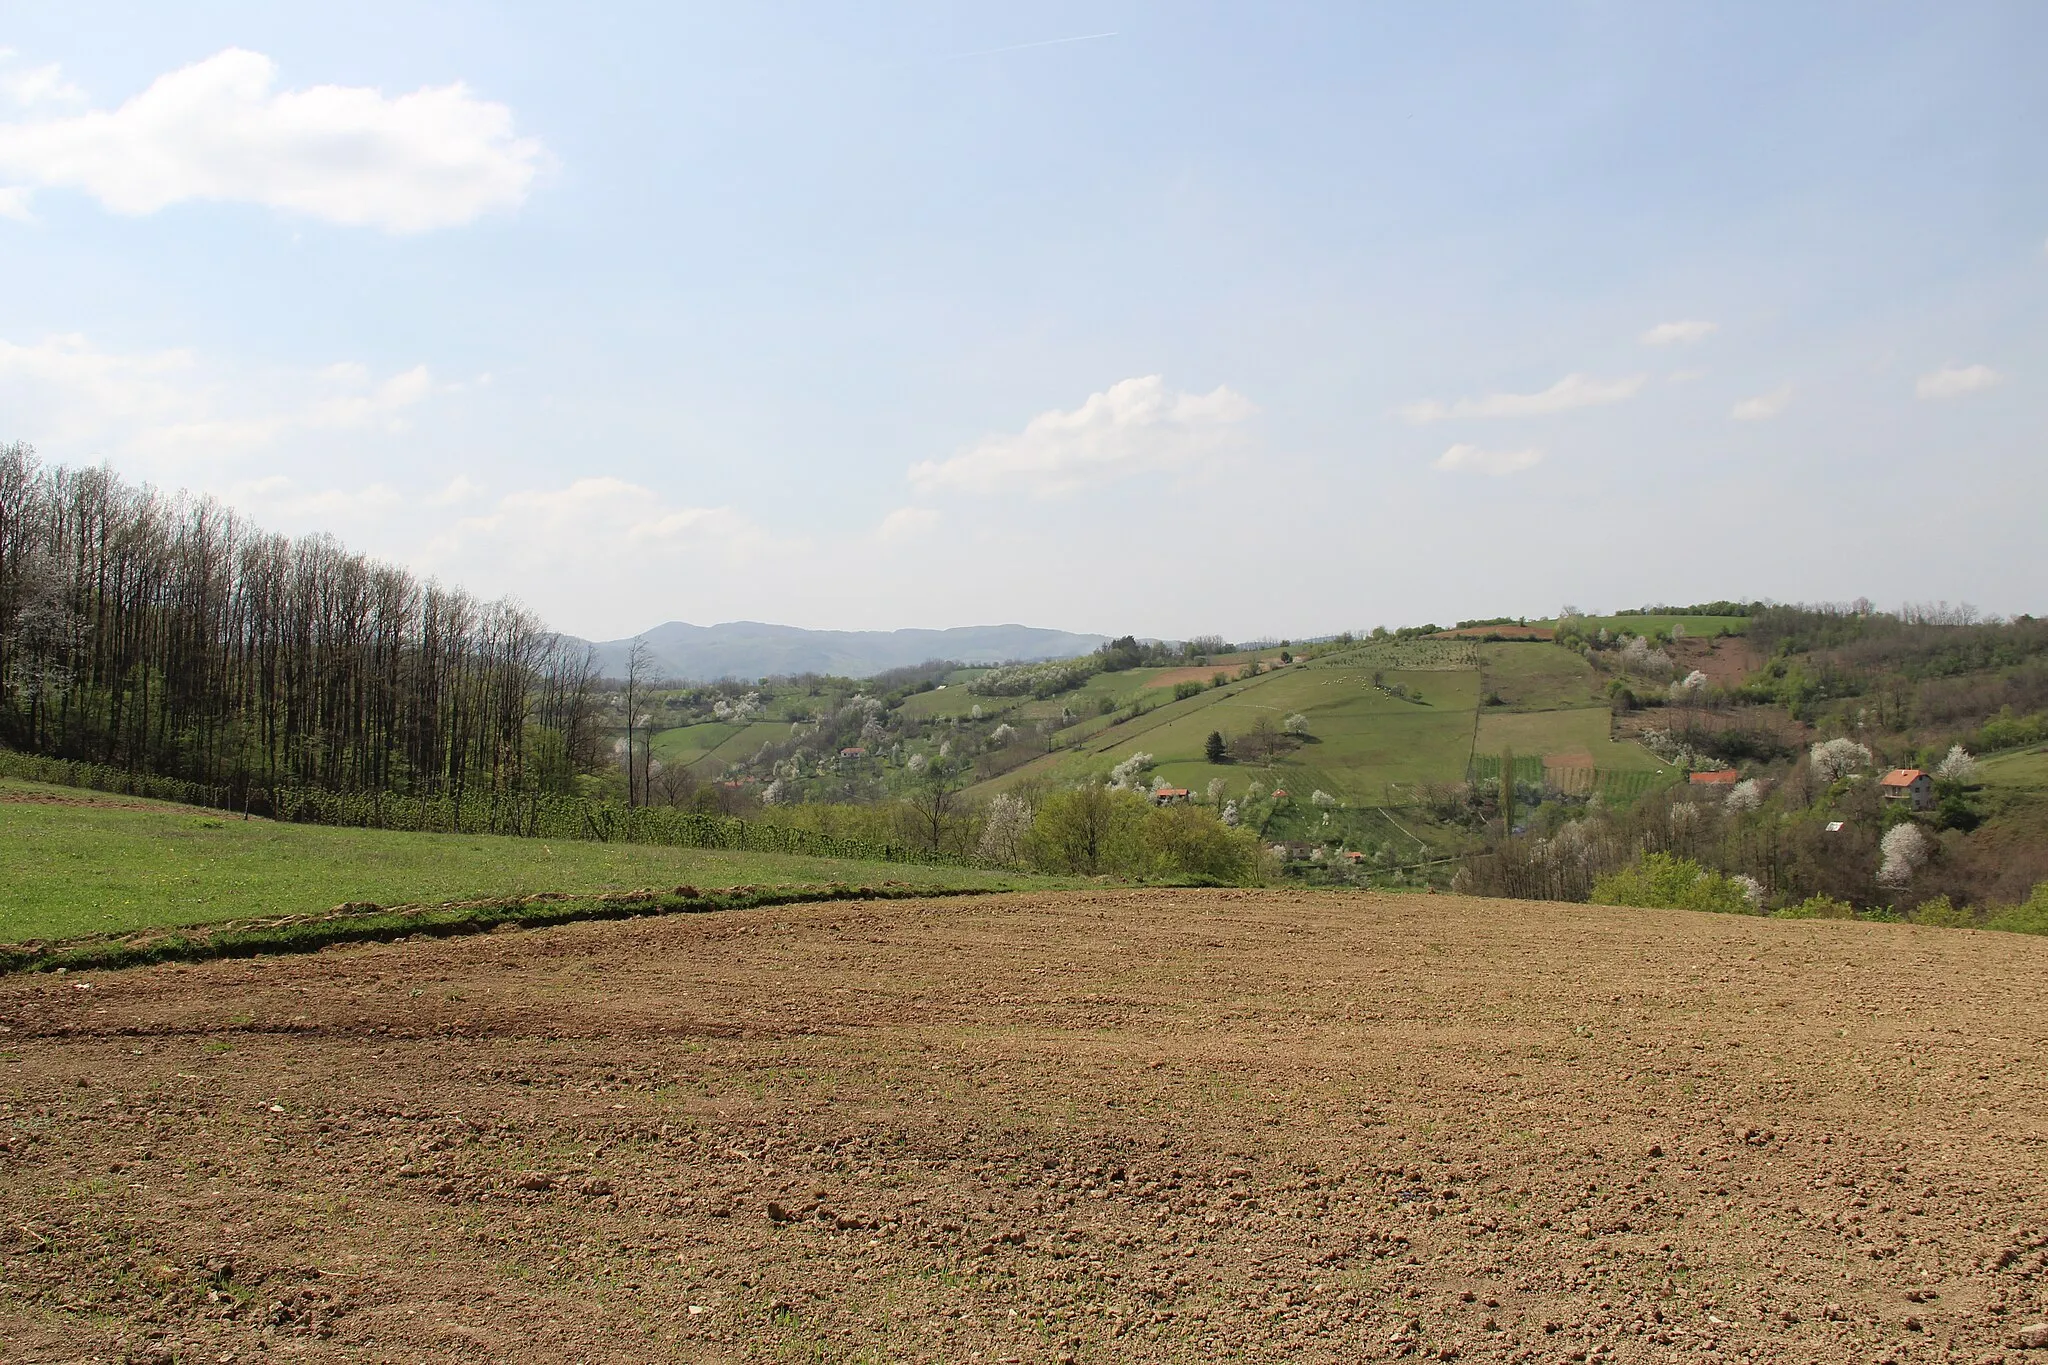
(1090, 1126)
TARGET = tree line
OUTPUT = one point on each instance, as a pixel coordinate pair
(164, 634)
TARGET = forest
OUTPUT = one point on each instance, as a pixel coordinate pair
(165, 635)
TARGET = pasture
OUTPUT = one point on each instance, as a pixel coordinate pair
(74, 862)
(2025, 768)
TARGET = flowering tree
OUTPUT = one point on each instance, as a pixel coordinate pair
(1296, 724)
(1752, 889)
(1689, 687)
(1229, 816)
(1904, 848)
(1322, 798)
(1003, 734)
(1003, 828)
(1958, 766)
(1127, 772)
(1215, 791)
(1835, 759)
(1745, 795)
(1638, 656)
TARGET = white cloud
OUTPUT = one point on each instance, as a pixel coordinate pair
(1471, 459)
(1677, 333)
(1572, 391)
(36, 85)
(907, 522)
(166, 407)
(1953, 381)
(217, 130)
(14, 203)
(1763, 406)
(1136, 426)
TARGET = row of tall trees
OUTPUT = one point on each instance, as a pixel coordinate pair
(164, 634)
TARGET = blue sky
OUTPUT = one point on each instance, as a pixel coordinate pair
(1161, 318)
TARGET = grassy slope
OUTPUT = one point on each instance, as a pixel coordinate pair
(117, 864)
(1538, 677)
(2026, 768)
(1583, 731)
(1641, 625)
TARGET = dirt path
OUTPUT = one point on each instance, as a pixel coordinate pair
(1157, 1126)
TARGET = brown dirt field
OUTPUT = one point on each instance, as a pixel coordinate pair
(1173, 677)
(1726, 662)
(1093, 1126)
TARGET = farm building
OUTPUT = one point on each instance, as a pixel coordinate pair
(1169, 796)
(855, 752)
(1725, 777)
(1907, 784)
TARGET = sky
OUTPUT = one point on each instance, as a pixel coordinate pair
(1172, 319)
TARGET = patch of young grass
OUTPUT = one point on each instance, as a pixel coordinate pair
(104, 864)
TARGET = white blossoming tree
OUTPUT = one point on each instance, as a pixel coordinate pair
(1003, 734)
(1745, 795)
(1296, 725)
(1904, 848)
(1322, 798)
(1835, 759)
(1958, 766)
(1003, 828)
(1124, 774)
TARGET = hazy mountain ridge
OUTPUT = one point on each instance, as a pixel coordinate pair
(754, 649)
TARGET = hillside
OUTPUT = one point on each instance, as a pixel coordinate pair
(751, 650)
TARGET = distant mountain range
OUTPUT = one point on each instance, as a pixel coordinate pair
(750, 649)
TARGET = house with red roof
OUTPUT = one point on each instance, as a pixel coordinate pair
(1907, 784)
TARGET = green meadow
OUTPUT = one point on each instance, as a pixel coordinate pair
(104, 864)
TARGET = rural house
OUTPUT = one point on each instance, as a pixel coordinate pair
(1169, 796)
(1725, 777)
(1907, 784)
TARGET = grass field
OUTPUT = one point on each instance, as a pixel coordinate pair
(708, 747)
(74, 862)
(1561, 733)
(1537, 677)
(1644, 625)
(2027, 768)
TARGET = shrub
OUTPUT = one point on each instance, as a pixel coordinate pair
(1660, 881)
(1943, 912)
(1183, 690)
(1817, 907)
(2029, 917)
(1188, 842)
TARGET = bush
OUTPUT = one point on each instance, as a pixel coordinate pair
(1660, 881)
(1188, 842)
(1183, 690)
(2029, 917)
(1943, 912)
(1817, 907)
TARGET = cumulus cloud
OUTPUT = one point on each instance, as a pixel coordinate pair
(170, 405)
(219, 130)
(1572, 391)
(35, 85)
(1953, 381)
(1471, 459)
(1763, 406)
(1677, 333)
(1136, 426)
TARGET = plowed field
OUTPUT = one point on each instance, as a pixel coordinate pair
(1115, 1126)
